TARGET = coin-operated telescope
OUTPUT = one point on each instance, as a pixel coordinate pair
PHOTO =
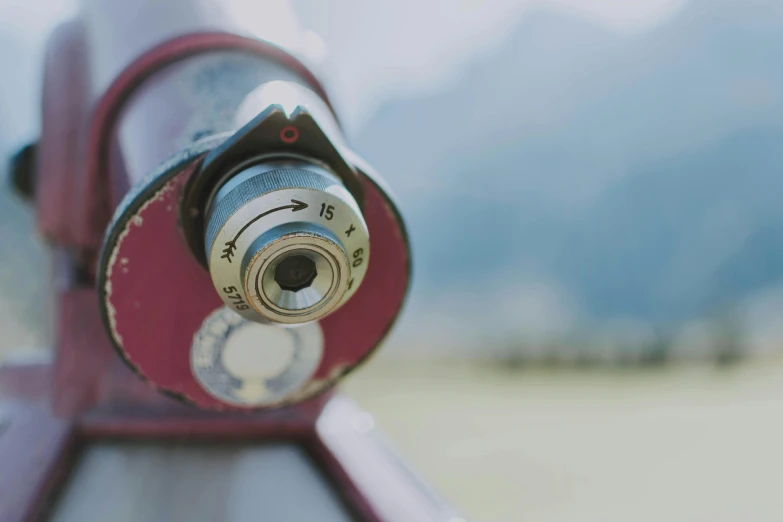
(209, 224)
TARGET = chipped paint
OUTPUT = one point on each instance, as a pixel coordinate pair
(114, 259)
(159, 187)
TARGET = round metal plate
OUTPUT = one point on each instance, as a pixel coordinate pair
(155, 296)
(249, 364)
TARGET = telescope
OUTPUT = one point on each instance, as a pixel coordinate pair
(221, 259)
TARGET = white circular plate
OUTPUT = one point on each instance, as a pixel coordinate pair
(248, 364)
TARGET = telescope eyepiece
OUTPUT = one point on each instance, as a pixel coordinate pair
(285, 242)
(295, 272)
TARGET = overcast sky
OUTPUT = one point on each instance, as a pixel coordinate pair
(376, 49)
(410, 45)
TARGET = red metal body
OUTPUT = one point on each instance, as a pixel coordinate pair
(130, 121)
(50, 411)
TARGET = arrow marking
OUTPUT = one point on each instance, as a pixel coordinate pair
(231, 246)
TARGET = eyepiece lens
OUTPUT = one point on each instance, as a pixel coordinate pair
(295, 272)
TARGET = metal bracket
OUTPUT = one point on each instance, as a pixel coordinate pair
(272, 134)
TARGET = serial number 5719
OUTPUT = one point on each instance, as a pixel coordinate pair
(236, 299)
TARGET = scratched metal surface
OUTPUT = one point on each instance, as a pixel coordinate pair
(138, 482)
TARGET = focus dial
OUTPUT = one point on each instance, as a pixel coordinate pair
(285, 242)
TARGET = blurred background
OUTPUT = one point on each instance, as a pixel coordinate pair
(593, 191)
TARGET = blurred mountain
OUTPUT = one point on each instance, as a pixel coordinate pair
(640, 174)
(685, 235)
(570, 178)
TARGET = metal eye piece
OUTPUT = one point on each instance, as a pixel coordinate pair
(285, 242)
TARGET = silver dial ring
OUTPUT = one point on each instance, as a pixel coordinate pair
(286, 242)
(278, 284)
